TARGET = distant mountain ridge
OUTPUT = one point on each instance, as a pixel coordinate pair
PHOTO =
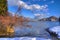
(52, 18)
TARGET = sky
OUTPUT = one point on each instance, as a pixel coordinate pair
(35, 8)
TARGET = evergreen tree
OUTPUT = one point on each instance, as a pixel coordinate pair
(3, 7)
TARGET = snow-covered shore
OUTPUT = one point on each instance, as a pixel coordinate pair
(55, 30)
(24, 38)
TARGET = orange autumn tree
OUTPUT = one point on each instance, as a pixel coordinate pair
(7, 22)
(5, 19)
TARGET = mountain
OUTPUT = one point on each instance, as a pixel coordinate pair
(52, 18)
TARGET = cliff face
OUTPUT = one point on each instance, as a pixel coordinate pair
(3, 7)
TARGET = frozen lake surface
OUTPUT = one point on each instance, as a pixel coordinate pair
(37, 30)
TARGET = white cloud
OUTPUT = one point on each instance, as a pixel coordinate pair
(26, 6)
(31, 7)
(40, 16)
(21, 3)
(12, 2)
(37, 14)
(36, 6)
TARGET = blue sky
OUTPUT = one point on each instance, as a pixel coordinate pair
(52, 8)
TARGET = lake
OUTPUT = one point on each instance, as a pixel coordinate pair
(37, 29)
(36, 32)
